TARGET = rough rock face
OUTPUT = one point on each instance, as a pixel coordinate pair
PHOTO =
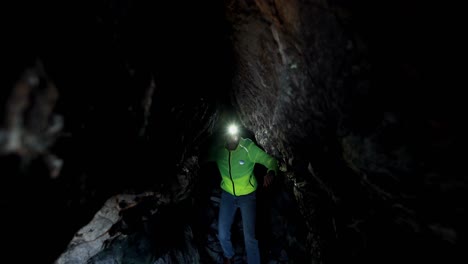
(31, 127)
(105, 238)
(334, 101)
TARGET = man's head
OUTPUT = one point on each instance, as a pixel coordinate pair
(232, 137)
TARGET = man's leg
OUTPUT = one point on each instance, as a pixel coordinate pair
(227, 210)
(248, 205)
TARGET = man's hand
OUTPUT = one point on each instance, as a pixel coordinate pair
(268, 179)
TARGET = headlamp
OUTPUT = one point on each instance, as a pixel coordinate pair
(233, 130)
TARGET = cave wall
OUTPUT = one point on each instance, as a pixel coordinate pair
(125, 86)
(358, 102)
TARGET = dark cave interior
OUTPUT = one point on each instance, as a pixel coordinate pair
(358, 101)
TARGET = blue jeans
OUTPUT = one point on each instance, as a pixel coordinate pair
(227, 210)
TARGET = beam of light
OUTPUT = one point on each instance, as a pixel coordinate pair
(233, 129)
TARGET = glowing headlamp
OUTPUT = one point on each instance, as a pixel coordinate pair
(233, 130)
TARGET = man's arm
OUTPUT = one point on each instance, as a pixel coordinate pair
(261, 157)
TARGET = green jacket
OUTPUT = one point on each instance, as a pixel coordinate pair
(236, 167)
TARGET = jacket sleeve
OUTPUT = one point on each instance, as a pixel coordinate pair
(257, 155)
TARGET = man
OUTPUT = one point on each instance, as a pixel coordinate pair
(236, 158)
